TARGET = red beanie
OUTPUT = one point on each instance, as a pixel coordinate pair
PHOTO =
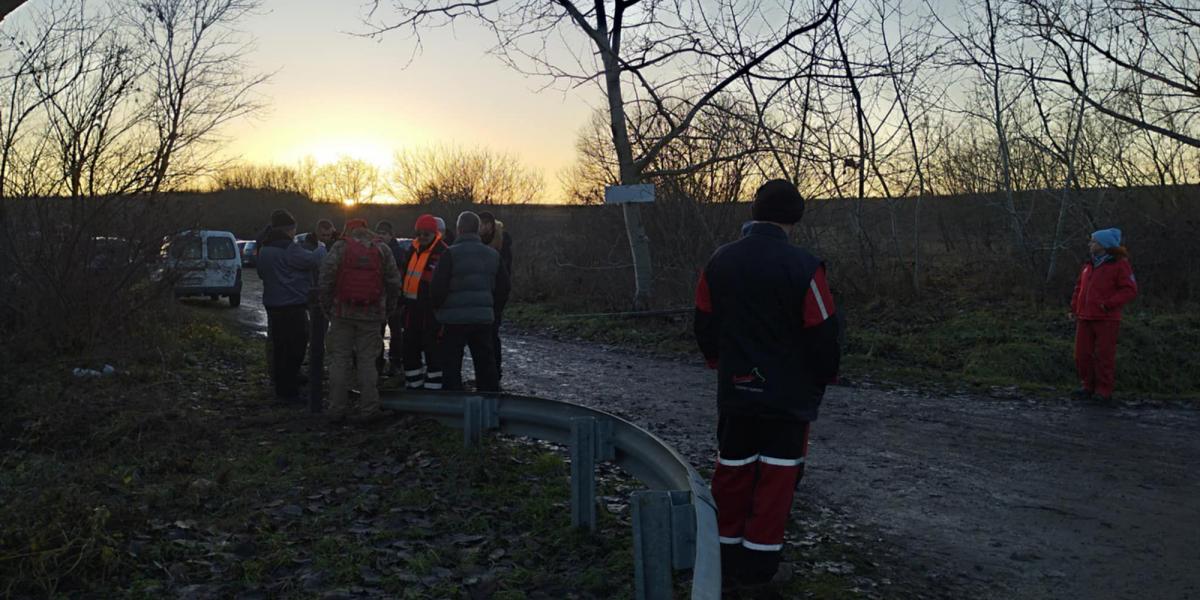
(426, 222)
(353, 224)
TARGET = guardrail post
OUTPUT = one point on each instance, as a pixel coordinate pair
(583, 473)
(652, 545)
(472, 421)
(683, 530)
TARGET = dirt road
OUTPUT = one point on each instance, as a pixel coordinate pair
(1007, 498)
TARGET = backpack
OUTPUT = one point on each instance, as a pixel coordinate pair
(360, 276)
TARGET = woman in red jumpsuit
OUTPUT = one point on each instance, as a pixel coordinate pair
(1105, 285)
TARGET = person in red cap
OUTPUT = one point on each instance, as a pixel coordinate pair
(420, 324)
(359, 288)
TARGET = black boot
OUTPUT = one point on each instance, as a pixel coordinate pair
(732, 564)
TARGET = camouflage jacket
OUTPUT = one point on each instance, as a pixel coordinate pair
(328, 282)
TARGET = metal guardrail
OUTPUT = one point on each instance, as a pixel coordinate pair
(674, 522)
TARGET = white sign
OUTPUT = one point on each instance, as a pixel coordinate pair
(626, 194)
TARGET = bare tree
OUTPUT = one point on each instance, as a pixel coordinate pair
(660, 56)
(350, 180)
(1147, 48)
(595, 166)
(91, 110)
(450, 174)
(197, 78)
(275, 178)
(988, 51)
(913, 79)
(27, 56)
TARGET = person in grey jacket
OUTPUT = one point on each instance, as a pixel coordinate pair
(286, 268)
(469, 287)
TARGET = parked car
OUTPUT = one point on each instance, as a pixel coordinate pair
(109, 254)
(206, 263)
(249, 250)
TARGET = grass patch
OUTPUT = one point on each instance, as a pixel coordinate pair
(179, 476)
(944, 345)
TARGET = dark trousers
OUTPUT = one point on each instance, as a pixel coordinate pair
(316, 357)
(420, 340)
(760, 462)
(496, 345)
(288, 328)
(479, 339)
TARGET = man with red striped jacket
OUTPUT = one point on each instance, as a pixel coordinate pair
(765, 319)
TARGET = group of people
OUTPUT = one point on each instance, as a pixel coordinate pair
(765, 320)
(441, 293)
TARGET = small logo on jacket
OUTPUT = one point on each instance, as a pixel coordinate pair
(753, 382)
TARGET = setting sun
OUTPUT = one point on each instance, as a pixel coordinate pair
(328, 151)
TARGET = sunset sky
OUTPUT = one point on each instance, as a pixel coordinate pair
(335, 93)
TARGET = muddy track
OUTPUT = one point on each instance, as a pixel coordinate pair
(1001, 498)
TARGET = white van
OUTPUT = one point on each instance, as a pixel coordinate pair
(206, 263)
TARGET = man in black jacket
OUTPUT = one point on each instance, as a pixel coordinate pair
(395, 321)
(470, 286)
(420, 326)
(766, 321)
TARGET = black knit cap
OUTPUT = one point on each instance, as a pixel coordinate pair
(778, 201)
(282, 218)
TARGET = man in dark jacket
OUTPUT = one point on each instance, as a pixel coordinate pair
(417, 266)
(286, 270)
(395, 321)
(469, 287)
(766, 321)
(493, 234)
(319, 242)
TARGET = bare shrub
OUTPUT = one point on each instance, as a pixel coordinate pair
(77, 272)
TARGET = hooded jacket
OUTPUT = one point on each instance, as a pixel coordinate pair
(1104, 289)
(286, 269)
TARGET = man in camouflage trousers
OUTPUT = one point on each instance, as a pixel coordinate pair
(359, 288)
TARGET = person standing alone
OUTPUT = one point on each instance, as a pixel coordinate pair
(360, 286)
(765, 319)
(1106, 284)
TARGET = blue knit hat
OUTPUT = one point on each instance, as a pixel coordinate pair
(1108, 238)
